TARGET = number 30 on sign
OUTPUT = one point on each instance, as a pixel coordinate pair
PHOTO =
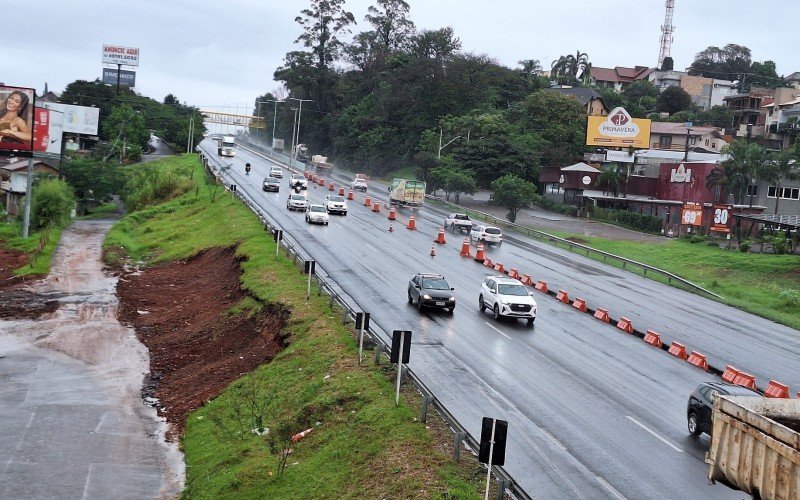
(722, 219)
(692, 214)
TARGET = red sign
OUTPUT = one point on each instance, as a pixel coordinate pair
(692, 214)
(16, 120)
(722, 218)
(41, 129)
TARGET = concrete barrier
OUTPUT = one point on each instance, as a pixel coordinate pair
(678, 350)
(698, 360)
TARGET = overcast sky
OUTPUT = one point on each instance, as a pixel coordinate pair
(221, 55)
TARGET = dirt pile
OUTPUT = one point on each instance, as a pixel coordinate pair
(181, 312)
(10, 260)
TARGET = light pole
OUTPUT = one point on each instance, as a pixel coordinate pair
(439, 154)
(299, 115)
(688, 126)
(274, 117)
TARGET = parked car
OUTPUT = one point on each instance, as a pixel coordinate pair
(298, 180)
(487, 234)
(359, 183)
(507, 297)
(431, 290)
(276, 171)
(462, 222)
(316, 214)
(336, 204)
(699, 407)
(271, 184)
(296, 202)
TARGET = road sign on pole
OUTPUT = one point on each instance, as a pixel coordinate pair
(277, 235)
(493, 446)
(309, 268)
(401, 339)
(362, 324)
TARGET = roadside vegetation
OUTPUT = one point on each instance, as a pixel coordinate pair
(361, 446)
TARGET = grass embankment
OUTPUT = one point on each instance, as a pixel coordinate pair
(38, 246)
(362, 446)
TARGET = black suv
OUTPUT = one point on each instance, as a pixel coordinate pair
(431, 290)
(698, 410)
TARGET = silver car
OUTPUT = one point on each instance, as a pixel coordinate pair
(316, 214)
(297, 202)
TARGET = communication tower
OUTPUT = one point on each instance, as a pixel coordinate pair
(666, 33)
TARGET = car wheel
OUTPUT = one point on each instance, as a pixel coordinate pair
(499, 243)
(410, 298)
(530, 321)
(344, 213)
(481, 305)
(326, 223)
(419, 304)
(481, 240)
(691, 423)
(450, 311)
(496, 311)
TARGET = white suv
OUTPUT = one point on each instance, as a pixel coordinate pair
(298, 180)
(359, 184)
(336, 204)
(487, 234)
(508, 297)
(276, 171)
(316, 214)
(297, 202)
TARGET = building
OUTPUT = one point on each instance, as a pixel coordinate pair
(673, 137)
(589, 97)
(705, 92)
(14, 182)
(759, 113)
(618, 77)
(793, 79)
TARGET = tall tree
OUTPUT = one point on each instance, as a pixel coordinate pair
(674, 99)
(390, 23)
(727, 63)
(322, 24)
(611, 179)
(513, 193)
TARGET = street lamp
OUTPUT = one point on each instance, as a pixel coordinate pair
(274, 117)
(439, 154)
(299, 115)
(688, 126)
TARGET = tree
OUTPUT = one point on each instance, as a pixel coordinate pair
(460, 181)
(638, 90)
(782, 165)
(667, 64)
(322, 24)
(391, 24)
(717, 116)
(531, 68)
(576, 68)
(513, 193)
(52, 201)
(674, 99)
(727, 63)
(611, 179)
(93, 182)
(762, 75)
(171, 100)
(734, 174)
(125, 126)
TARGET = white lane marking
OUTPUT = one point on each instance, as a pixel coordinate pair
(497, 330)
(610, 488)
(372, 247)
(654, 434)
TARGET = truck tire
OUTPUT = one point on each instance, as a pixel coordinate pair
(691, 423)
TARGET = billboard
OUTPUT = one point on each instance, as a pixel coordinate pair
(126, 78)
(692, 214)
(115, 54)
(77, 119)
(618, 130)
(48, 126)
(722, 218)
(16, 120)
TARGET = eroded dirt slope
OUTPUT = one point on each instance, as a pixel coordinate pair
(181, 313)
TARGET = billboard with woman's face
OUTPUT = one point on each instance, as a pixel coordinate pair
(16, 120)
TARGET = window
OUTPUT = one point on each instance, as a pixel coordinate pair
(717, 192)
(752, 190)
(706, 142)
(554, 187)
(771, 191)
(665, 140)
(785, 193)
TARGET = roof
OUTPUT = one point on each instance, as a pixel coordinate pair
(620, 73)
(23, 164)
(580, 167)
(583, 94)
(592, 193)
(680, 129)
(793, 76)
(781, 221)
(673, 156)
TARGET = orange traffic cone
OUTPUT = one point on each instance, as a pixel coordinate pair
(341, 191)
(350, 195)
(465, 248)
(412, 223)
(433, 250)
(367, 202)
(479, 254)
(300, 435)
(392, 213)
(440, 239)
(376, 207)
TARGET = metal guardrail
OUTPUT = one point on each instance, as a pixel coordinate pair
(571, 245)
(349, 307)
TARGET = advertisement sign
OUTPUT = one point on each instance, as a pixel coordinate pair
(722, 218)
(114, 54)
(680, 174)
(618, 130)
(49, 127)
(16, 120)
(126, 78)
(619, 156)
(77, 119)
(692, 214)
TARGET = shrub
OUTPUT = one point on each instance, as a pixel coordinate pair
(744, 246)
(780, 244)
(151, 185)
(640, 222)
(696, 238)
(52, 201)
(789, 297)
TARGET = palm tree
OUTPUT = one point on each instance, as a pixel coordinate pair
(530, 67)
(782, 165)
(728, 178)
(743, 165)
(610, 179)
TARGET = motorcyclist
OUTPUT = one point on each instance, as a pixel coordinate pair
(247, 168)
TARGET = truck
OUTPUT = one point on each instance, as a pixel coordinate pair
(320, 163)
(458, 222)
(407, 193)
(301, 153)
(226, 145)
(755, 446)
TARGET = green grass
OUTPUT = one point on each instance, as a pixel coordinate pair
(39, 246)
(363, 446)
(102, 211)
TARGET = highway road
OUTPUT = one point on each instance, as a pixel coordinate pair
(593, 412)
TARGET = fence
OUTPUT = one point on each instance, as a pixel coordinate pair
(381, 338)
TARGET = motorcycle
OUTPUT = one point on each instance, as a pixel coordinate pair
(247, 169)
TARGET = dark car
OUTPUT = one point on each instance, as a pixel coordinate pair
(431, 290)
(698, 410)
(271, 184)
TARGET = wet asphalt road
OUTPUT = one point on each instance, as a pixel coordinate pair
(72, 420)
(593, 413)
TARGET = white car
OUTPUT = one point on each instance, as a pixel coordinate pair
(462, 222)
(507, 297)
(298, 180)
(336, 204)
(487, 234)
(316, 214)
(359, 184)
(297, 202)
(276, 171)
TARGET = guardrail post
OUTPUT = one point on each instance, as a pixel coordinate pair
(645, 271)
(623, 264)
(345, 315)
(330, 302)
(378, 349)
(502, 484)
(426, 400)
(459, 436)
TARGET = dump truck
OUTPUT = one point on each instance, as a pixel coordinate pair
(226, 146)
(320, 163)
(755, 446)
(407, 193)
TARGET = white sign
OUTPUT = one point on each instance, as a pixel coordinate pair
(586, 180)
(619, 124)
(114, 54)
(77, 119)
(680, 174)
(619, 156)
(56, 132)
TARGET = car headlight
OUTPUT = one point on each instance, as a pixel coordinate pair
(426, 297)
(452, 298)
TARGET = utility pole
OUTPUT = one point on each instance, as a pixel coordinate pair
(26, 217)
(300, 115)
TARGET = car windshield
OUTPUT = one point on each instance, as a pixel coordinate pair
(271, 179)
(297, 176)
(317, 208)
(461, 217)
(493, 230)
(298, 197)
(435, 284)
(276, 169)
(518, 290)
(360, 181)
(336, 198)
